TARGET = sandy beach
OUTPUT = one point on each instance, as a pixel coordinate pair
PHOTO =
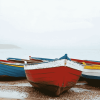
(21, 89)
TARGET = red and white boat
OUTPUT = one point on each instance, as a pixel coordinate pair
(56, 75)
(86, 61)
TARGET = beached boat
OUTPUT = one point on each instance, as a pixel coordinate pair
(9, 68)
(18, 60)
(86, 61)
(15, 66)
(90, 65)
(92, 74)
(56, 75)
(92, 78)
(42, 59)
(91, 71)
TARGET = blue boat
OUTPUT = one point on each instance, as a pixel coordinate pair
(9, 68)
(48, 59)
(91, 75)
(18, 60)
(92, 78)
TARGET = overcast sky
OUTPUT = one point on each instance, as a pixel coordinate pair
(52, 24)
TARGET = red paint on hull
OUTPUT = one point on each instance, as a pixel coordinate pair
(88, 62)
(36, 60)
(63, 78)
(28, 61)
(6, 61)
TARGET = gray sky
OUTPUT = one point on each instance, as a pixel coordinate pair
(53, 24)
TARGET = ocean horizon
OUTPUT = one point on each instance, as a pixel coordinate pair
(87, 54)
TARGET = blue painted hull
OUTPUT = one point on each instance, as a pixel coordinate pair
(10, 70)
(47, 59)
(93, 80)
(91, 77)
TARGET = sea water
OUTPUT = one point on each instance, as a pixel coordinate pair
(87, 54)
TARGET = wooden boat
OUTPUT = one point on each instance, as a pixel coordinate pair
(86, 61)
(91, 66)
(42, 59)
(9, 68)
(18, 60)
(56, 75)
(91, 69)
(92, 78)
(92, 73)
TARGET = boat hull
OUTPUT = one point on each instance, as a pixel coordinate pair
(54, 79)
(18, 60)
(12, 69)
(91, 75)
(92, 78)
(86, 61)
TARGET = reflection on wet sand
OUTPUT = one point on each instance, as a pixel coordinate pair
(12, 94)
(22, 89)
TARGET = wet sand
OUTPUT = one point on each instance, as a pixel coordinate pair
(21, 89)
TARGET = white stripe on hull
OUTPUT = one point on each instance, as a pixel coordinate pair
(57, 63)
(92, 70)
(91, 73)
